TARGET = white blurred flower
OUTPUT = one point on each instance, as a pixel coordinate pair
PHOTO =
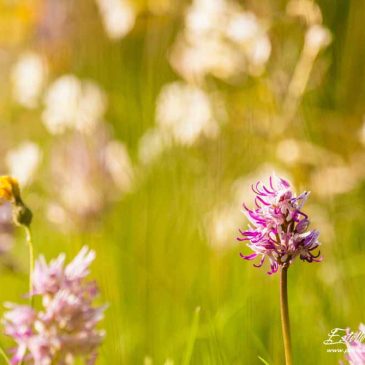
(152, 144)
(288, 151)
(196, 60)
(56, 214)
(339, 178)
(357, 163)
(222, 226)
(82, 197)
(202, 14)
(23, 161)
(119, 164)
(317, 38)
(333, 180)
(185, 112)
(28, 77)
(88, 172)
(72, 103)
(245, 30)
(292, 151)
(118, 17)
(220, 39)
(243, 27)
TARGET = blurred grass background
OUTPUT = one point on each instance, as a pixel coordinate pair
(160, 251)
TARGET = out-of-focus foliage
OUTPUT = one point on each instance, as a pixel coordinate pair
(137, 127)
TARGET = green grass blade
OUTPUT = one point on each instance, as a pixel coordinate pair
(263, 361)
(192, 337)
(4, 356)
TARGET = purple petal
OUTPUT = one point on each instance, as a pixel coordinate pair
(260, 263)
(249, 257)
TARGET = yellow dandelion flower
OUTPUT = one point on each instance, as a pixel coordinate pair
(9, 189)
(10, 192)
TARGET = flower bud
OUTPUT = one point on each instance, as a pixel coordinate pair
(22, 215)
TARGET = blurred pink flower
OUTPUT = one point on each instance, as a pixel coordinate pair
(89, 173)
(6, 228)
(356, 348)
(65, 328)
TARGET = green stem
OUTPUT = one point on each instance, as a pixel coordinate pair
(285, 323)
(31, 262)
(4, 356)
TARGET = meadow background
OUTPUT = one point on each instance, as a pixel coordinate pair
(137, 128)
